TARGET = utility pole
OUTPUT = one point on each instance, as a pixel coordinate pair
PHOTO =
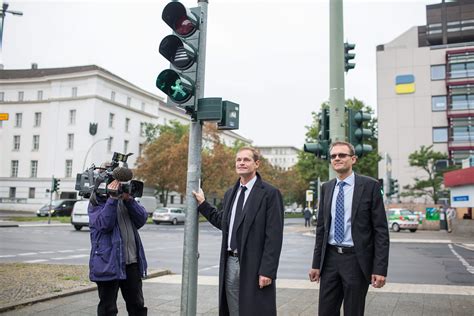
(336, 75)
(3, 12)
(190, 247)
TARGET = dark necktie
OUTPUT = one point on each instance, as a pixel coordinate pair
(238, 215)
(339, 221)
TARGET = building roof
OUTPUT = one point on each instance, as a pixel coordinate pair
(459, 177)
(44, 72)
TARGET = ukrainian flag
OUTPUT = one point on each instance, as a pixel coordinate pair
(405, 84)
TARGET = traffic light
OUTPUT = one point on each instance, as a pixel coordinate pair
(392, 187)
(348, 56)
(319, 149)
(313, 186)
(357, 133)
(324, 125)
(181, 50)
(55, 185)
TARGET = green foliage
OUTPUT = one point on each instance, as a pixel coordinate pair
(432, 186)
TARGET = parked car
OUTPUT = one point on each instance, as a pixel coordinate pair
(399, 218)
(289, 211)
(169, 215)
(149, 203)
(79, 215)
(58, 208)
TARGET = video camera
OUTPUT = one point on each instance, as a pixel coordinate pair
(95, 179)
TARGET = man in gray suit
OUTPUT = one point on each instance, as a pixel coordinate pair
(352, 239)
(252, 233)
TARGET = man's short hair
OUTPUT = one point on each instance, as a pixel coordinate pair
(342, 143)
(255, 153)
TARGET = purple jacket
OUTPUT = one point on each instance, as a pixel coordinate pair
(107, 258)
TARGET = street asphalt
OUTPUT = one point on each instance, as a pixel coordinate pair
(294, 297)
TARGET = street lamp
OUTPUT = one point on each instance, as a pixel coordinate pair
(87, 153)
(3, 12)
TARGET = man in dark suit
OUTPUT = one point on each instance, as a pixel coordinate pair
(352, 240)
(252, 233)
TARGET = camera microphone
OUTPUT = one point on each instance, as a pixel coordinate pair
(122, 174)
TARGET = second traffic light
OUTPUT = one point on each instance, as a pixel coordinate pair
(55, 185)
(348, 56)
(392, 187)
(181, 50)
(319, 149)
(357, 133)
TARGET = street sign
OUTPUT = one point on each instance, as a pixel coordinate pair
(3, 116)
(309, 195)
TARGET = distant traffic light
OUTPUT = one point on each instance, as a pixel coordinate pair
(319, 149)
(357, 133)
(55, 185)
(393, 187)
(348, 57)
(324, 125)
(181, 50)
(313, 186)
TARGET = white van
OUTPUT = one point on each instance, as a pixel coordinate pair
(149, 203)
(79, 215)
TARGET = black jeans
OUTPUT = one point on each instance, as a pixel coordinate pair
(132, 293)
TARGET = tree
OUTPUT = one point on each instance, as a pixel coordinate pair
(426, 159)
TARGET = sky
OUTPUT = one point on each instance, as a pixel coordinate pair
(271, 57)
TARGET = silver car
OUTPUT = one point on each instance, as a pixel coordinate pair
(169, 215)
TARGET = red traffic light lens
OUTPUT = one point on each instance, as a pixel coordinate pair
(184, 26)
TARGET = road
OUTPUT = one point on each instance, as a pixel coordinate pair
(435, 262)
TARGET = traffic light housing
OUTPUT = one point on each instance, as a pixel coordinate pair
(324, 125)
(348, 56)
(181, 50)
(393, 187)
(55, 185)
(313, 186)
(357, 133)
(319, 149)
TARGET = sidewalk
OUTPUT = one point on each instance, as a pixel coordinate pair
(294, 297)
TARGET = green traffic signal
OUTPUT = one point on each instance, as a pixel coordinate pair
(357, 133)
(179, 88)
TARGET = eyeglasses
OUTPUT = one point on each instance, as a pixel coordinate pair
(341, 156)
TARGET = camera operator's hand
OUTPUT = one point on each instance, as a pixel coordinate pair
(113, 188)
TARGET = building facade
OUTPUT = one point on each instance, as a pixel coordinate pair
(61, 120)
(283, 157)
(425, 96)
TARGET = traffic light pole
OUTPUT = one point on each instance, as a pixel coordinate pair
(336, 76)
(190, 247)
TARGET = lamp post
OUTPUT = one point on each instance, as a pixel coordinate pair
(3, 12)
(87, 153)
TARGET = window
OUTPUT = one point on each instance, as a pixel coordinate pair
(129, 101)
(36, 142)
(37, 119)
(111, 120)
(2, 96)
(142, 129)
(70, 141)
(125, 146)
(40, 95)
(463, 133)
(182, 200)
(440, 134)
(438, 103)
(143, 106)
(72, 117)
(127, 124)
(68, 172)
(12, 192)
(438, 72)
(462, 102)
(140, 149)
(16, 142)
(14, 169)
(74, 92)
(18, 119)
(109, 144)
(461, 70)
(21, 95)
(31, 193)
(171, 199)
(34, 169)
(112, 96)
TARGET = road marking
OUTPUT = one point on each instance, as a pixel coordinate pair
(70, 257)
(35, 261)
(209, 268)
(469, 268)
(306, 284)
(420, 241)
(7, 256)
(64, 251)
(46, 252)
(27, 254)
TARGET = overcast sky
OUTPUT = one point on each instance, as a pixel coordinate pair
(271, 57)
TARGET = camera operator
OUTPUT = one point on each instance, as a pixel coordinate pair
(117, 257)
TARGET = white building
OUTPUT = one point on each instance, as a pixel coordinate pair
(63, 119)
(283, 157)
(424, 90)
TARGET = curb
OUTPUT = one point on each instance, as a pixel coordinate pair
(88, 288)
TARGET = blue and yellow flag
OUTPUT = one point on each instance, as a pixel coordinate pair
(404, 84)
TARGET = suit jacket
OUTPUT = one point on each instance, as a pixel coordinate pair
(369, 226)
(259, 242)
